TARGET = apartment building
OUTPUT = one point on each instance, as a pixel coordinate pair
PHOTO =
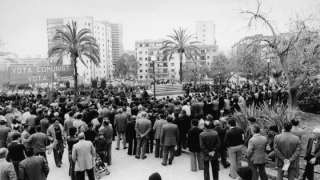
(205, 31)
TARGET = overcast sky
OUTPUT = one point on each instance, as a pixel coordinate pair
(23, 22)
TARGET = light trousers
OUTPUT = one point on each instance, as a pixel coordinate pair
(123, 135)
(235, 154)
(194, 157)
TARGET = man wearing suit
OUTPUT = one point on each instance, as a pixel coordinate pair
(234, 141)
(157, 131)
(312, 154)
(120, 123)
(222, 150)
(195, 108)
(16, 152)
(194, 146)
(256, 153)
(132, 138)
(143, 128)
(7, 171)
(287, 148)
(210, 144)
(33, 167)
(168, 138)
(83, 154)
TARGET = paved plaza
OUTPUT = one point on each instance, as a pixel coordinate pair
(128, 167)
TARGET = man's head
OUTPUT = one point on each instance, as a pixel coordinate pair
(287, 126)
(232, 122)
(295, 122)
(133, 118)
(144, 114)
(3, 153)
(29, 151)
(169, 119)
(194, 122)
(38, 128)
(216, 123)
(81, 136)
(316, 133)
(16, 137)
(255, 129)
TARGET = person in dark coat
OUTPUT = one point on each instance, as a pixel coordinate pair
(222, 150)
(16, 152)
(194, 146)
(132, 139)
(180, 125)
(210, 144)
(312, 154)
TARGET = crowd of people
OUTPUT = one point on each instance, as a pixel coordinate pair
(86, 124)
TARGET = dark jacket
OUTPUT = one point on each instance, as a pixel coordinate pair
(131, 132)
(234, 137)
(209, 141)
(169, 134)
(222, 133)
(16, 151)
(194, 139)
(308, 155)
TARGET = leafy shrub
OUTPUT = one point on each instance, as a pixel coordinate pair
(94, 83)
(309, 99)
(266, 116)
(103, 83)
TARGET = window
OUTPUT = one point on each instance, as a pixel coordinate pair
(172, 70)
(208, 57)
(140, 59)
(141, 77)
(146, 70)
(203, 51)
(203, 58)
(140, 45)
(146, 65)
(146, 59)
(89, 25)
(147, 45)
(140, 52)
(146, 52)
(172, 64)
(141, 71)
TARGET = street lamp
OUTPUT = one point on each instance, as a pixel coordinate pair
(153, 59)
(200, 74)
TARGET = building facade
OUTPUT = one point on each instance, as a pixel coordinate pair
(117, 43)
(101, 31)
(205, 31)
(166, 69)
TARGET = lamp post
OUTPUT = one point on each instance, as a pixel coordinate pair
(200, 74)
(153, 59)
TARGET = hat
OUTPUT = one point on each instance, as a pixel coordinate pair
(56, 114)
(316, 131)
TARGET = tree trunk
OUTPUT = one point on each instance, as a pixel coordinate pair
(292, 93)
(180, 72)
(75, 73)
(293, 98)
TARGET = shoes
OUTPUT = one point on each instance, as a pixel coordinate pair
(144, 157)
(129, 154)
(109, 164)
(117, 148)
(125, 148)
(137, 157)
(59, 165)
(163, 164)
(170, 162)
(226, 165)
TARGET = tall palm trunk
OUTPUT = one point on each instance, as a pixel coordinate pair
(74, 60)
(180, 72)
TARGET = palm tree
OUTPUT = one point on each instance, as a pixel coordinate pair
(77, 45)
(181, 43)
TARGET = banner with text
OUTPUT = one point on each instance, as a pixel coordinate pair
(38, 74)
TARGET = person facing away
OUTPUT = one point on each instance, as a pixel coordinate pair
(7, 171)
(83, 154)
(193, 143)
(16, 152)
(210, 144)
(33, 167)
(143, 127)
(287, 148)
(169, 138)
(256, 153)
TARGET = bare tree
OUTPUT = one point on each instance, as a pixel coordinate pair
(299, 36)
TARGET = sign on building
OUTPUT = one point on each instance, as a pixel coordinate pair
(39, 74)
